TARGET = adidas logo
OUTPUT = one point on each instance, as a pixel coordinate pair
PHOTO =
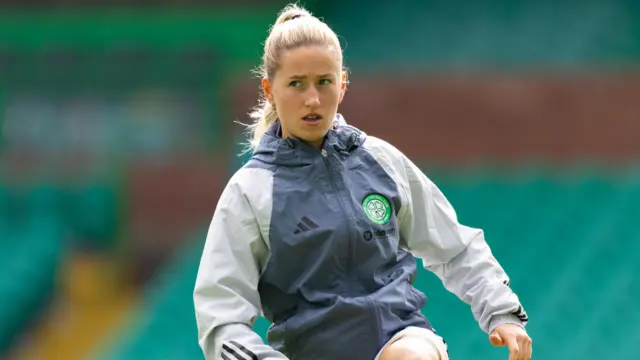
(305, 224)
(521, 314)
(234, 351)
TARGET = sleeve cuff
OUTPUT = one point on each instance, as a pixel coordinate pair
(502, 319)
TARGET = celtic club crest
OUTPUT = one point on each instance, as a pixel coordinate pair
(377, 208)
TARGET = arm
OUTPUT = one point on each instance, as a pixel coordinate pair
(457, 254)
(226, 297)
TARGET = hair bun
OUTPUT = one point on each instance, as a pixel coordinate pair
(291, 12)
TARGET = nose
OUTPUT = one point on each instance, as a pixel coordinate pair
(312, 99)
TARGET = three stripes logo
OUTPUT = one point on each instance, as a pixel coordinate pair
(521, 314)
(234, 351)
(305, 224)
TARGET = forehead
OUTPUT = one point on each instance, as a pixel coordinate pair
(309, 61)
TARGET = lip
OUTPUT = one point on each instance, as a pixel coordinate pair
(312, 122)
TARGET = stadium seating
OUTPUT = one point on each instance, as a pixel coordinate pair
(37, 222)
(30, 260)
(568, 240)
(163, 327)
(88, 211)
(92, 214)
(570, 246)
(494, 33)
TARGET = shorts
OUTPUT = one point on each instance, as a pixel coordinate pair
(424, 334)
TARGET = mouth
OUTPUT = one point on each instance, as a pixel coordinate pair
(312, 119)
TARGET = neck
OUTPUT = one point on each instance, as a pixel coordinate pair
(316, 144)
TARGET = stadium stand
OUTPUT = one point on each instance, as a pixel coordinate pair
(163, 325)
(43, 222)
(563, 226)
(494, 34)
(236, 32)
(92, 211)
(30, 261)
(32, 251)
(568, 237)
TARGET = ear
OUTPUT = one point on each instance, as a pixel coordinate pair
(343, 85)
(266, 87)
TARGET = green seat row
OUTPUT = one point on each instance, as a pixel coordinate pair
(30, 263)
(88, 211)
(494, 34)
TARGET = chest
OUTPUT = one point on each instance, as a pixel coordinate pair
(339, 212)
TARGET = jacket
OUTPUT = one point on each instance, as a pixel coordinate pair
(323, 244)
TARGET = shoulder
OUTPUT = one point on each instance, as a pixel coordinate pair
(379, 145)
(392, 160)
(252, 183)
(385, 153)
(247, 197)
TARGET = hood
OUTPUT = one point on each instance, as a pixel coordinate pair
(273, 149)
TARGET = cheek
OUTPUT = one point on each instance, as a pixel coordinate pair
(284, 98)
(287, 105)
(289, 96)
(332, 96)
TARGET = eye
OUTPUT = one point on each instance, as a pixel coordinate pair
(295, 83)
(325, 81)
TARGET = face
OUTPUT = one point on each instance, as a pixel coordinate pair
(306, 91)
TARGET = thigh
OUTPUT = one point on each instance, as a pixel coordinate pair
(414, 343)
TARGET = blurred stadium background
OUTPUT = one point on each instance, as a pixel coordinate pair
(118, 135)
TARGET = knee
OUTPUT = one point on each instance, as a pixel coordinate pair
(397, 352)
(411, 349)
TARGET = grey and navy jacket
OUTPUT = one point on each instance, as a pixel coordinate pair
(323, 244)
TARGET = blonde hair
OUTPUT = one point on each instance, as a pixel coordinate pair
(295, 27)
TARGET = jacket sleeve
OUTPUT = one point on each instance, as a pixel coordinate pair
(457, 254)
(226, 298)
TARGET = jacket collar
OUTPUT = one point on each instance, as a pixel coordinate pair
(341, 138)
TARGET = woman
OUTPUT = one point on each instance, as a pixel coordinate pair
(318, 231)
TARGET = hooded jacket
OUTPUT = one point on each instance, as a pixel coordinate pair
(323, 243)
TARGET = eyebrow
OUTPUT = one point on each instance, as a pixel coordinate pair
(305, 76)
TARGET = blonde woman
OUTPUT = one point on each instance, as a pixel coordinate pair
(319, 231)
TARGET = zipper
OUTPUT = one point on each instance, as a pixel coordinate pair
(346, 209)
(325, 158)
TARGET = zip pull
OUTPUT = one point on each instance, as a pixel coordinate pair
(323, 153)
